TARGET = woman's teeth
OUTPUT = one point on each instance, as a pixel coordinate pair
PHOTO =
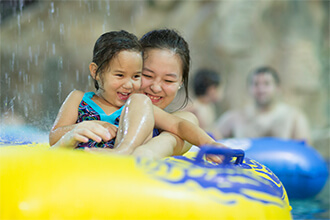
(155, 98)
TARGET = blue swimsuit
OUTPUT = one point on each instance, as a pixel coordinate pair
(89, 110)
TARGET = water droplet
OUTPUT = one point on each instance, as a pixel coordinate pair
(21, 4)
(108, 8)
(7, 80)
(42, 26)
(36, 59)
(52, 9)
(26, 111)
(77, 75)
(19, 24)
(41, 90)
(12, 61)
(62, 29)
(30, 53)
(20, 76)
(60, 63)
(53, 48)
(59, 91)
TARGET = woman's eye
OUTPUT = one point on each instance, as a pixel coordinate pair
(169, 81)
(147, 76)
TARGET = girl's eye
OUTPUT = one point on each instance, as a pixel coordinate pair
(137, 76)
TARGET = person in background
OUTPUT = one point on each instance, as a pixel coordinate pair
(268, 116)
(208, 91)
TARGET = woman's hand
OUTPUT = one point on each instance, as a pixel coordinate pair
(215, 158)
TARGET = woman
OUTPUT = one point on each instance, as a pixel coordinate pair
(165, 70)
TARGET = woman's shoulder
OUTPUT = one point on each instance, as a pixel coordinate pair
(186, 115)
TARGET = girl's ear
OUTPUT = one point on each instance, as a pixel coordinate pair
(92, 70)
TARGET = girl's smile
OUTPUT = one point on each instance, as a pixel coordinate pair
(121, 78)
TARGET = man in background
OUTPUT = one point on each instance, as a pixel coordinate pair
(267, 116)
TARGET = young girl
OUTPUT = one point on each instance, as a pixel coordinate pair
(92, 118)
(117, 75)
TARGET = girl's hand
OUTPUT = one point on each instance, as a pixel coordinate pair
(96, 150)
(95, 130)
(112, 129)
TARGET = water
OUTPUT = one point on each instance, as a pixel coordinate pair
(314, 208)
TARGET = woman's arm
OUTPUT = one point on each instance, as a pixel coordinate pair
(166, 143)
(185, 129)
(183, 146)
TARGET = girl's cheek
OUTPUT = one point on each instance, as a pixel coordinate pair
(137, 85)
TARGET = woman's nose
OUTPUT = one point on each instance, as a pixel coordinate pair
(156, 87)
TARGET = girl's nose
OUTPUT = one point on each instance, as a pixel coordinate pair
(128, 84)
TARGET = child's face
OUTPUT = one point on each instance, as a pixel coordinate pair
(161, 76)
(122, 77)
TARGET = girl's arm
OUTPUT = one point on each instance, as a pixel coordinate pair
(65, 123)
(66, 117)
(84, 131)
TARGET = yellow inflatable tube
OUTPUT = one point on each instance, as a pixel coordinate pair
(38, 183)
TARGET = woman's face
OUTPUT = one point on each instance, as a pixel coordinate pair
(161, 76)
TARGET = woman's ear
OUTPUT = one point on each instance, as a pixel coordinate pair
(92, 69)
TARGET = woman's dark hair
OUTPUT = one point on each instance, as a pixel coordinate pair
(173, 41)
(109, 44)
(263, 70)
(205, 78)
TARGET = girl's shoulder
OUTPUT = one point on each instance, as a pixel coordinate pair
(75, 96)
(76, 93)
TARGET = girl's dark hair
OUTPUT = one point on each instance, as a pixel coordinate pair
(263, 70)
(108, 45)
(204, 78)
(171, 40)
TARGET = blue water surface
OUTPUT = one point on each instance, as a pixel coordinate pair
(313, 208)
